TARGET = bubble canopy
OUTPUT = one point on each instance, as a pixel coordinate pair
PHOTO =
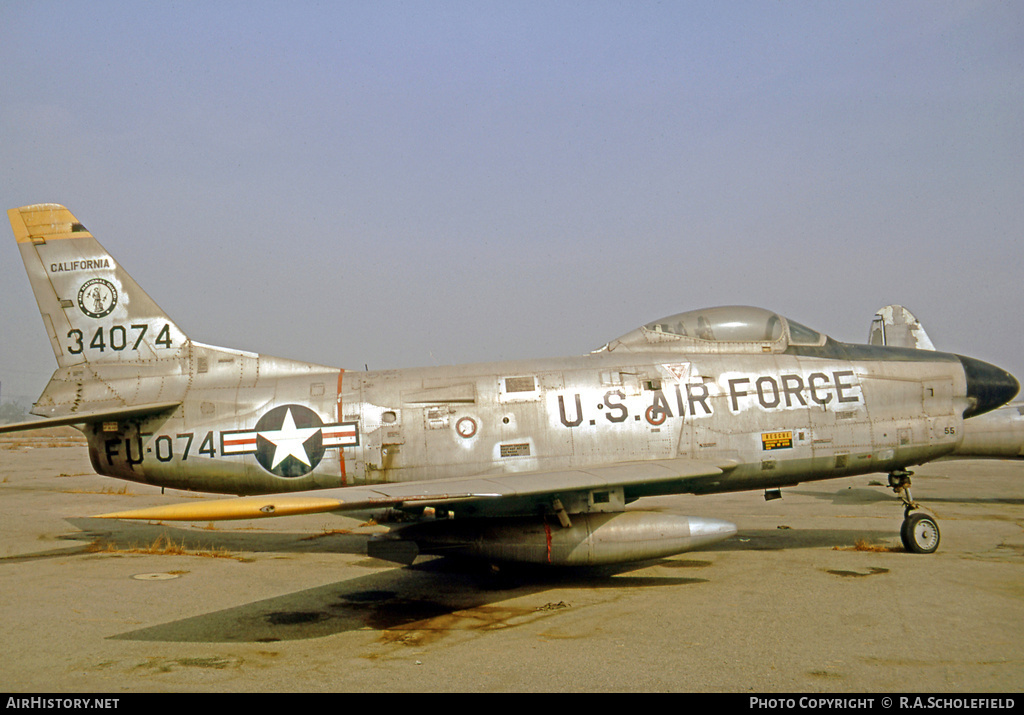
(719, 329)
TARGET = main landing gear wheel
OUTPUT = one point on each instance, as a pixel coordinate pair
(920, 534)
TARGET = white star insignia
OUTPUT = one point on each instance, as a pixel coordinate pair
(288, 441)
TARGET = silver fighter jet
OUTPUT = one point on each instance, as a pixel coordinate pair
(529, 461)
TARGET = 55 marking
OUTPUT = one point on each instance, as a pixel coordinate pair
(116, 338)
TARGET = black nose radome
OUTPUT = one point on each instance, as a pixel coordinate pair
(988, 386)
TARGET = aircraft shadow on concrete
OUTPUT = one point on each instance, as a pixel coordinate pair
(433, 596)
(439, 596)
(783, 538)
(442, 595)
(881, 493)
(851, 496)
(973, 500)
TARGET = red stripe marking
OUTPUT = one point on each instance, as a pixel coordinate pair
(338, 434)
(341, 459)
(242, 440)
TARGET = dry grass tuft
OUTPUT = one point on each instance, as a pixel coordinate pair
(863, 545)
(162, 546)
(123, 491)
(326, 532)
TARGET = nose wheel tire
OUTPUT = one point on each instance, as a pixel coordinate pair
(920, 534)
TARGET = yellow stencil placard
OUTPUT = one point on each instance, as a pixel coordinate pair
(776, 440)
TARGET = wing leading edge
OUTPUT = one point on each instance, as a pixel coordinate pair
(490, 494)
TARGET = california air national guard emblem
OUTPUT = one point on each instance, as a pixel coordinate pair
(97, 297)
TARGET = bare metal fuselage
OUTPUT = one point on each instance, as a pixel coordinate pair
(773, 420)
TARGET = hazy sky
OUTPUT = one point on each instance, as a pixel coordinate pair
(397, 184)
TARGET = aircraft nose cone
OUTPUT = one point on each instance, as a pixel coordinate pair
(988, 386)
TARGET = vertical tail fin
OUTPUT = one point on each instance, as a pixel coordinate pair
(94, 312)
(896, 326)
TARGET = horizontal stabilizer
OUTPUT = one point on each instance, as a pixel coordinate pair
(111, 415)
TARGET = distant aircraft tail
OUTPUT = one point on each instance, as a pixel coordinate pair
(92, 309)
(896, 326)
(998, 434)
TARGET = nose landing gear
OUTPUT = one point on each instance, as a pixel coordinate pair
(919, 532)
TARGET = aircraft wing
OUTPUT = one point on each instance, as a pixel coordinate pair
(491, 491)
(108, 415)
